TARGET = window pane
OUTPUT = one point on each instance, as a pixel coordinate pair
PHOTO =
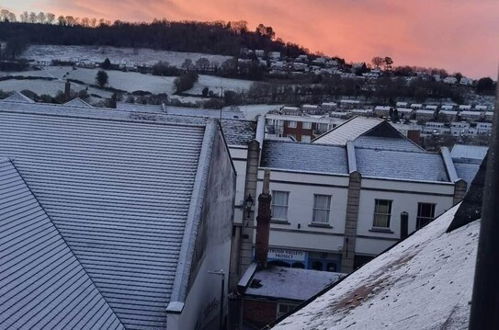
(381, 220)
(307, 125)
(322, 204)
(280, 204)
(382, 210)
(426, 213)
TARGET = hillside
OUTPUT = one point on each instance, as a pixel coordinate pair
(203, 37)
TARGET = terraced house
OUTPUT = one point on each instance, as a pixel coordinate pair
(338, 202)
(111, 220)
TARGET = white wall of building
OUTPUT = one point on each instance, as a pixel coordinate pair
(298, 234)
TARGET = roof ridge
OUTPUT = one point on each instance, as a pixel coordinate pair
(62, 237)
(91, 114)
(186, 255)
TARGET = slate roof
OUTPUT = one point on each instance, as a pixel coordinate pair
(424, 282)
(288, 283)
(77, 102)
(348, 131)
(376, 163)
(236, 131)
(419, 166)
(43, 285)
(386, 143)
(18, 97)
(469, 153)
(304, 157)
(118, 189)
(467, 160)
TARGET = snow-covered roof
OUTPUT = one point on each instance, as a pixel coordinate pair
(370, 162)
(77, 102)
(43, 283)
(288, 283)
(386, 143)
(420, 166)
(424, 282)
(118, 188)
(348, 131)
(469, 152)
(18, 97)
(236, 131)
(304, 157)
(467, 160)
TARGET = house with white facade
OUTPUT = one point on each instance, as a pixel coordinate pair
(112, 219)
(335, 206)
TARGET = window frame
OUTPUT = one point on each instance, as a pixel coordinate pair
(420, 219)
(389, 214)
(292, 123)
(289, 307)
(276, 205)
(306, 125)
(315, 209)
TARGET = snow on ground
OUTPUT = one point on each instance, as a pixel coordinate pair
(97, 54)
(219, 84)
(425, 282)
(127, 81)
(253, 110)
(50, 87)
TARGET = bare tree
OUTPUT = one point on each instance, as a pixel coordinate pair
(24, 17)
(85, 21)
(388, 63)
(377, 61)
(203, 64)
(50, 18)
(41, 17)
(32, 17)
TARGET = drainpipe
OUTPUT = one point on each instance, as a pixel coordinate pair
(263, 223)
(485, 300)
(404, 225)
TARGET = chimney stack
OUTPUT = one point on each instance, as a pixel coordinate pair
(263, 223)
(67, 90)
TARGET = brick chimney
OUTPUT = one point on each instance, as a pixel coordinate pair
(263, 223)
(414, 135)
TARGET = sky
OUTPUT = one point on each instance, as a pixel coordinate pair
(457, 35)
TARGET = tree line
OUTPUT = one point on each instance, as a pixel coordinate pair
(226, 38)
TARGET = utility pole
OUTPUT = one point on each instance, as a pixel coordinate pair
(485, 300)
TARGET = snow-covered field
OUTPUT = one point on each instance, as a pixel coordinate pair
(218, 85)
(134, 81)
(46, 87)
(98, 54)
(127, 81)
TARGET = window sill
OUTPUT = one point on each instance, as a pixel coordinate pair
(381, 230)
(280, 222)
(320, 225)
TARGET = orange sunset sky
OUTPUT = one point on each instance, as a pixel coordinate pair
(457, 35)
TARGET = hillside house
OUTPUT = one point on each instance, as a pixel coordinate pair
(112, 219)
(424, 115)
